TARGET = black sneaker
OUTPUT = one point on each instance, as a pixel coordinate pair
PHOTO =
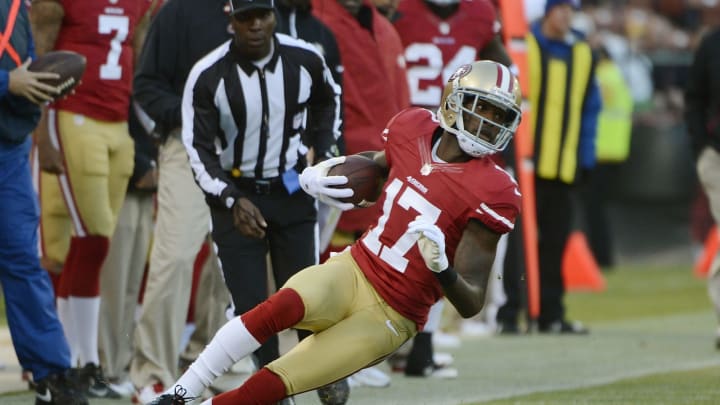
(508, 328)
(336, 393)
(94, 383)
(564, 327)
(57, 389)
(178, 398)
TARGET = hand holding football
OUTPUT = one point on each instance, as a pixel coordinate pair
(364, 176)
(69, 65)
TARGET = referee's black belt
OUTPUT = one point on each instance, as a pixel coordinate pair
(260, 186)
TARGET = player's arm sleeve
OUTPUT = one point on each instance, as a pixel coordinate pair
(156, 71)
(499, 218)
(324, 110)
(499, 215)
(201, 127)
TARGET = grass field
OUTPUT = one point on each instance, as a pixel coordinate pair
(651, 343)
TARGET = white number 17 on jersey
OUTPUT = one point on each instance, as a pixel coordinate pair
(395, 255)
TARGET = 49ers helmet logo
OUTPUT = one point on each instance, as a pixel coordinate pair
(460, 72)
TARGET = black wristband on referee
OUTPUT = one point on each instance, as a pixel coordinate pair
(447, 277)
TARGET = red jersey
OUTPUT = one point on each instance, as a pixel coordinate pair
(449, 193)
(436, 47)
(103, 31)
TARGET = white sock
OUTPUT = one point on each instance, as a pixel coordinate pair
(86, 312)
(434, 317)
(231, 343)
(66, 320)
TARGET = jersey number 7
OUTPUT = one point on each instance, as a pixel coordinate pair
(111, 69)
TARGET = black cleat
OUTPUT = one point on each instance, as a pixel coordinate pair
(94, 383)
(57, 389)
(336, 393)
(178, 398)
(563, 327)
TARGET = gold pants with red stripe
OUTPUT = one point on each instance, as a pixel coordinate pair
(353, 326)
(86, 199)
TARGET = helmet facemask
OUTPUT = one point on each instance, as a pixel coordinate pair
(490, 135)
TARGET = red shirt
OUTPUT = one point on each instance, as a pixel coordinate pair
(436, 47)
(453, 193)
(374, 85)
(103, 32)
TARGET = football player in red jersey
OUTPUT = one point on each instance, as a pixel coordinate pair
(439, 36)
(443, 209)
(87, 155)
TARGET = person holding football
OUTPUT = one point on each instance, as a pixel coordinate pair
(452, 34)
(37, 335)
(444, 207)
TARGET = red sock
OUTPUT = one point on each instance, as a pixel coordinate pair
(66, 276)
(55, 280)
(282, 310)
(264, 387)
(91, 253)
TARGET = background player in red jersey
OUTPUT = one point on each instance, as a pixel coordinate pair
(444, 207)
(441, 35)
(84, 142)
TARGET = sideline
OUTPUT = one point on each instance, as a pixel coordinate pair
(503, 367)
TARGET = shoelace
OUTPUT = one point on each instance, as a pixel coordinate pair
(179, 396)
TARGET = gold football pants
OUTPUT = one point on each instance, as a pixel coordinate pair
(353, 326)
(99, 159)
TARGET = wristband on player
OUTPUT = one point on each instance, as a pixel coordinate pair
(447, 277)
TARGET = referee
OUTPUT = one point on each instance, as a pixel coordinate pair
(251, 109)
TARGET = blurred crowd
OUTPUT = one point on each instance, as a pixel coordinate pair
(652, 42)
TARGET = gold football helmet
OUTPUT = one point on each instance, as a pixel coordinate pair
(471, 88)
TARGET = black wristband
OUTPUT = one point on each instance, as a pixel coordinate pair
(447, 277)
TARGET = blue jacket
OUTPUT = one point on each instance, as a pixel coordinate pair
(18, 116)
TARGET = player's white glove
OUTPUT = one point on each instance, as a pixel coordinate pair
(431, 243)
(315, 181)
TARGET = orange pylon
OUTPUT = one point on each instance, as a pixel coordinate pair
(579, 269)
(712, 244)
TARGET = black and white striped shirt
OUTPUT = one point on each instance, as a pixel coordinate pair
(240, 120)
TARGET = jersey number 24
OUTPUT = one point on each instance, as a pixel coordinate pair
(436, 68)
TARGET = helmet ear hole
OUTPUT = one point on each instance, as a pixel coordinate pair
(453, 102)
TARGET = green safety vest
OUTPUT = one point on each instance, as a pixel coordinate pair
(615, 120)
